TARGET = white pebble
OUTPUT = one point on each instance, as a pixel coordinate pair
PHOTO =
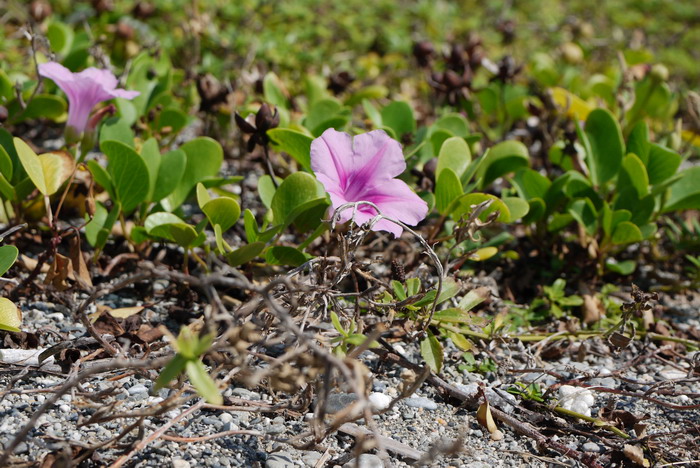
(379, 401)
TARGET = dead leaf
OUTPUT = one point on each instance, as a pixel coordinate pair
(124, 312)
(59, 272)
(80, 269)
(483, 415)
(636, 455)
(593, 309)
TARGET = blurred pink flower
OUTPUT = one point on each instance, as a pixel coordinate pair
(364, 169)
(84, 90)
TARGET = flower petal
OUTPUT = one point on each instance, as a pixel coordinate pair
(377, 155)
(62, 76)
(396, 200)
(331, 156)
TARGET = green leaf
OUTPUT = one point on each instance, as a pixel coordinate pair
(128, 172)
(222, 211)
(517, 206)
(633, 174)
(412, 286)
(472, 299)
(447, 189)
(453, 315)
(117, 129)
(281, 255)
(296, 194)
(454, 123)
(8, 255)
(455, 155)
(431, 350)
(501, 159)
(10, 315)
(250, 225)
(536, 211)
(685, 194)
(47, 171)
(626, 233)
(266, 190)
(170, 172)
(625, 268)
(398, 116)
(337, 325)
(184, 235)
(663, 163)
(531, 184)
(606, 146)
(156, 223)
(399, 290)
(450, 288)
(295, 144)
(171, 371)
(203, 160)
(203, 383)
(272, 89)
(175, 119)
(638, 142)
(102, 177)
(372, 113)
(324, 114)
(245, 253)
(43, 106)
(5, 164)
(367, 92)
(460, 340)
(438, 138)
(98, 229)
(60, 37)
(151, 156)
(585, 213)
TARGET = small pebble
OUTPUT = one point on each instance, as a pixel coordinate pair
(421, 402)
(366, 460)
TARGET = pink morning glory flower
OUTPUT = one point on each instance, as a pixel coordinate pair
(364, 169)
(84, 90)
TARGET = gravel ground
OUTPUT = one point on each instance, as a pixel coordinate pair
(424, 422)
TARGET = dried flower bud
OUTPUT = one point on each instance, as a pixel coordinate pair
(457, 58)
(244, 125)
(143, 10)
(4, 114)
(39, 10)
(452, 79)
(507, 30)
(339, 82)
(103, 6)
(124, 30)
(265, 119)
(211, 91)
(423, 51)
(571, 53)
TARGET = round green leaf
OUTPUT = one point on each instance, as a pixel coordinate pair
(10, 315)
(297, 193)
(8, 255)
(223, 211)
(170, 172)
(455, 155)
(128, 172)
(295, 144)
(501, 159)
(626, 233)
(245, 254)
(398, 116)
(605, 145)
